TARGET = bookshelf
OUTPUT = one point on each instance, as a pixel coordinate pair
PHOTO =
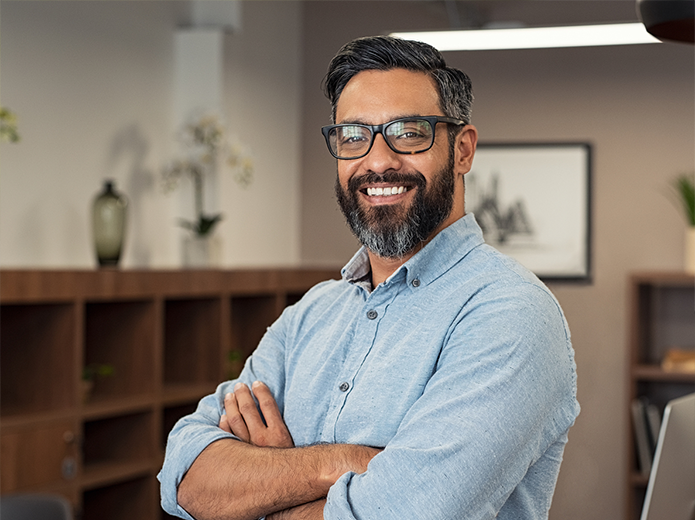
(166, 334)
(662, 317)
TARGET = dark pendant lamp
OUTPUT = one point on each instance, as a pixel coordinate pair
(669, 19)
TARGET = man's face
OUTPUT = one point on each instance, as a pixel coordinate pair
(394, 202)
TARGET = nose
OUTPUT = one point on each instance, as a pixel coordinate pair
(381, 158)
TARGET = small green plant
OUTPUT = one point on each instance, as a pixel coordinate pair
(236, 363)
(685, 189)
(94, 370)
(8, 126)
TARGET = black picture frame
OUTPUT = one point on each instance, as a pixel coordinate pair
(533, 201)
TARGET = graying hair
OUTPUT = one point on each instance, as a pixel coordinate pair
(387, 53)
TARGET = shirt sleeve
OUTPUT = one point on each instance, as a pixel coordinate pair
(495, 411)
(193, 433)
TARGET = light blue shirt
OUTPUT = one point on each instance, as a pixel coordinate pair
(460, 365)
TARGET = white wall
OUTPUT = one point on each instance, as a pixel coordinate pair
(92, 83)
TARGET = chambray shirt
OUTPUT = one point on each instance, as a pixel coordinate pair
(460, 365)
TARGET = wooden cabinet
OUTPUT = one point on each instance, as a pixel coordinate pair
(167, 336)
(662, 317)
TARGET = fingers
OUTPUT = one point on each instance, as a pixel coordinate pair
(247, 408)
(267, 404)
(275, 433)
(234, 421)
(242, 417)
(224, 424)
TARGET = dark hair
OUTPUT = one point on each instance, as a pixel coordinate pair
(386, 53)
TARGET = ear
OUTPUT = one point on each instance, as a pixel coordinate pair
(466, 142)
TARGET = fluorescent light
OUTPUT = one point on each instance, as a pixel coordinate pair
(533, 37)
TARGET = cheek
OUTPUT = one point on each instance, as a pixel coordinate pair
(345, 172)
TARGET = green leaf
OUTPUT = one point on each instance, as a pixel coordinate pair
(94, 370)
(202, 227)
(207, 223)
(685, 187)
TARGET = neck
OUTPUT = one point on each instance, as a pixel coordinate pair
(382, 267)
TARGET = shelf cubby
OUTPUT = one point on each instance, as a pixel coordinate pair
(118, 440)
(37, 358)
(250, 317)
(666, 320)
(134, 499)
(192, 341)
(121, 334)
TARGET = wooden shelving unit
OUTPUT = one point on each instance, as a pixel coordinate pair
(662, 316)
(167, 334)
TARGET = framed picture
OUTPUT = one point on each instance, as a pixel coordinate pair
(533, 202)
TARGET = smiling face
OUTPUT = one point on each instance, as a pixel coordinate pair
(395, 202)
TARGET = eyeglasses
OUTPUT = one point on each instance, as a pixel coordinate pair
(409, 135)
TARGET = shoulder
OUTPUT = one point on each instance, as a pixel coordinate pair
(509, 306)
(484, 277)
(322, 293)
(321, 298)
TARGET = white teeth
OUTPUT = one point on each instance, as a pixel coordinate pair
(385, 192)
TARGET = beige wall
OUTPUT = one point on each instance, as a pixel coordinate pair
(633, 104)
(92, 84)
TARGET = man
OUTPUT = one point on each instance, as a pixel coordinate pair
(435, 380)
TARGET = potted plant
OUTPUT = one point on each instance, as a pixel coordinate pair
(90, 373)
(684, 187)
(206, 146)
(236, 361)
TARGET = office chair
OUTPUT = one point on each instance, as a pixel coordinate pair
(35, 506)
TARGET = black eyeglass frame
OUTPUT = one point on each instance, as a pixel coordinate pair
(379, 129)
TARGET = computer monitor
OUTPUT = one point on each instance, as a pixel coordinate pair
(671, 488)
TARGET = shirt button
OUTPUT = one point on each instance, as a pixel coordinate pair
(344, 386)
(416, 283)
(372, 315)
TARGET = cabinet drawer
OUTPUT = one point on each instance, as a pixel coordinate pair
(40, 455)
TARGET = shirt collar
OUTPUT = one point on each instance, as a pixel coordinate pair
(444, 250)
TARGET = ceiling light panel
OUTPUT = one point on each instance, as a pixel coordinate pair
(534, 38)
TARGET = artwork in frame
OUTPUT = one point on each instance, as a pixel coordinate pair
(533, 202)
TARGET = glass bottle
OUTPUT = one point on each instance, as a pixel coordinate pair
(108, 224)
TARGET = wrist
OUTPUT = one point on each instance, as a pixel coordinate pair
(343, 458)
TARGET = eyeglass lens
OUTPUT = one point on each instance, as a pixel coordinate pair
(405, 136)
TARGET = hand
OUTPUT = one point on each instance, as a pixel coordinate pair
(242, 417)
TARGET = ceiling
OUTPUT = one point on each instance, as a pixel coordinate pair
(453, 14)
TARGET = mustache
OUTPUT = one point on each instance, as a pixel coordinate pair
(416, 179)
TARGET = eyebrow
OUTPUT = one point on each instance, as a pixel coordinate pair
(362, 122)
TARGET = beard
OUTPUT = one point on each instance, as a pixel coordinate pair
(390, 230)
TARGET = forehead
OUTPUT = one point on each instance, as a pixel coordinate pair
(376, 96)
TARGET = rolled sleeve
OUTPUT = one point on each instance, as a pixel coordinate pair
(195, 432)
(190, 436)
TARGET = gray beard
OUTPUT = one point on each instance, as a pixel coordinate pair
(385, 230)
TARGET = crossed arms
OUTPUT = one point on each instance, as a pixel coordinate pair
(463, 425)
(268, 474)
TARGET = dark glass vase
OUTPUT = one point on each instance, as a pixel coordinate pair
(108, 225)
